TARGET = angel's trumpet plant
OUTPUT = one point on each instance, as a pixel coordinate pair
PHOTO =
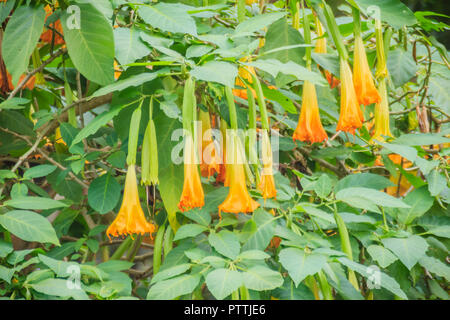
(192, 195)
(309, 127)
(365, 89)
(238, 199)
(130, 219)
(267, 184)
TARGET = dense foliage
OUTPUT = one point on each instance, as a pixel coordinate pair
(355, 99)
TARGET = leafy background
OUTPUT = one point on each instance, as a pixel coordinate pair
(61, 180)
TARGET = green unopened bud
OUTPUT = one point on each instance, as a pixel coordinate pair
(150, 156)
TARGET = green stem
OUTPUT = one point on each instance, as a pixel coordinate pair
(261, 102)
(245, 295)
(124, 246)
(168, 241)
(307, 36)
(241, 10)
(356, 22)
(134, 134)
(134, 249)
(231, 108)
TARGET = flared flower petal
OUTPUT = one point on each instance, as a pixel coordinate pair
(382, 115)
(238, 199)
(365, 89)
(351, 116)
(192, 195)
(130, 219)
(309, 127)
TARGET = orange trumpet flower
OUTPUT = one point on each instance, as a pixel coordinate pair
(47, 35)
(130, 219)
(192, 195)
(267, 183)
(238, 199)
(351, 116)
(309, 127)
(365, 89)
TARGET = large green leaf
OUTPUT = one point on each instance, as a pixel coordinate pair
(129, 46)
(282, 34)
(91, 47)
(168, 17)
(385, 281)
(170, 174)
(300, 264)
(189, 230)
(421, 139)
(104, 193)
(258, 22)
(216, 71)
(171, 272)
(172, 288)
(132, 81)
(366, 198)
(401, 66)
(29, 226)
(39, 171)
(435, 266)
(222, 282)
(226, 243)
(409, 250)
(365, 180)
(381, 255)
(59, 288)
(260, 238)
(393, 12)
(420, 201)
(20, 38)
(261, 278)
(35, 203)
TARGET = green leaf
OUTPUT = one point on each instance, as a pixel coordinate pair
(197, 51)
(222, 282)
(282, 34)
(405, 151)
(421, 139)
(327, 61)
(365, 180)
(19, 190)
(436, 183)
(168, 17)
(92, 53)
(274, 67)
(258, 22)
(6, 274)
(300, 264)
(39, 171)
(35, 203)
(216, 71)
(5, 248)
(385, 281)
(59, 288)
(189, 230)
(409, 250)
(276, 95)
(200, 216)
(20, 38)
(5, 9)
(253, 255)
(29, 226)
(128, 45)
(260, 238)
(170, 174)
(96, 124)
(419, 201)
(261, 278)
(393, 12)
(59, 267)
(226, 243)
(14, 103)
(291, 292)
(104, 193)
(366, 198)
(381, 255)
(401, 66)
(172, 288)
(435, 266)
(115, 265)
(132, 81)
(323, 186)
(171, 272)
